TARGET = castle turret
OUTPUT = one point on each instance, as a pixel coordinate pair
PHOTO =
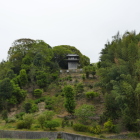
(73, 60)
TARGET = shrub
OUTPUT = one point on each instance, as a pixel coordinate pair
(49, 103)
(38, 92)
(69, 78)
(91, 94)
(34, 108)
(49, 115)
(30, 107)
(83, 77)
(28, 120)
(41, 119)
(90, 86)
(27, 106)
(4, 114)
(95, 130)
(42, 99)
(69, 99)
(20, 125)
(20, 115)
(84, 113)
(134, 134)
(51, 124)
(109, 126)
(11, 120)
(46, 116)
(79, 88)
(80, 127)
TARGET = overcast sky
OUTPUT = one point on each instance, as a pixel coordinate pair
(85, 24)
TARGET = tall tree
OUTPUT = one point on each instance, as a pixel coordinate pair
(69, 99)
(119, 76)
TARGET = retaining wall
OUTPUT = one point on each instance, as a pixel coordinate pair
(38, 135)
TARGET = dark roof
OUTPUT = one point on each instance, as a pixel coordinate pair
(72, 55)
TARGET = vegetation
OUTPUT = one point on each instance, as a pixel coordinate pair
(119, 78)
(69, 99)
(84, 113)
(30, 78)
(51, 124)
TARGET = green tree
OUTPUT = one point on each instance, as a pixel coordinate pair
(43, 79)
(85, 113)
(119, 78)
(49, 115)
(38, 92)
(51, 124)
(61, 51)
(6, 88)
(23, 77)
(69, 99)
(41, 119)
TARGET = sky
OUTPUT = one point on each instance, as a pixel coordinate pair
(84, 24)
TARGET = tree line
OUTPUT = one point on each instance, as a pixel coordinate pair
(120, 79)
(32, 64)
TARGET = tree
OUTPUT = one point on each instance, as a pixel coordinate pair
(49, 115)
(51, 124)
(119, 78)
(41, 119)
(90, 69)
(61, 51)
(85, 113)
(26, 51)
(6, 88)
(43, 79)
(19, 49)
(38, 92)
(69, 99)
(23, 77)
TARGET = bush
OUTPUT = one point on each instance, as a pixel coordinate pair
(90, 86)
(80, 127)
(11, 120)
(84, 113)
(27, 106)
(69, 78)
(20, 115)
(79, 88)
(109, 126)
(4, 114)
(46, 116)
(51, 124)
(26, 122)
(20, 125)
(83, 77)
(95, 130)
(49, 115)
(34, 108)
(41, 119)
(38, 92)
(91, 94)
(30, 107)
(42, 99)
(49, 103)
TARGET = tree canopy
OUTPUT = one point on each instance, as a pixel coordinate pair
(120, 77)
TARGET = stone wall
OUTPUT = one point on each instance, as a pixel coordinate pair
(38, 135)
(27, 134)
(68, 136)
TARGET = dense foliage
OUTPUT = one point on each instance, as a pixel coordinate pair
(31, 66)
(120, 78)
